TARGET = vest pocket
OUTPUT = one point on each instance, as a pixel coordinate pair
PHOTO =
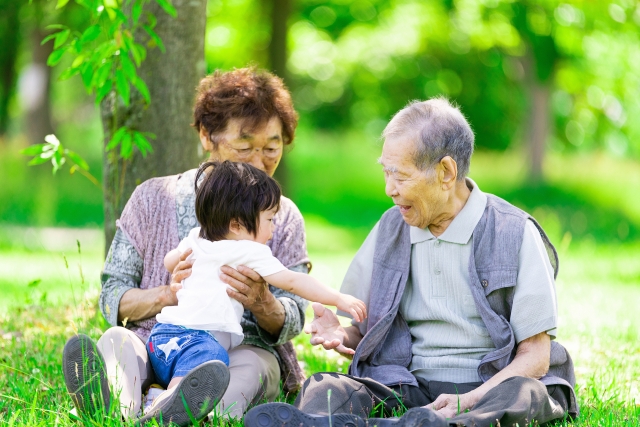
(492, 280)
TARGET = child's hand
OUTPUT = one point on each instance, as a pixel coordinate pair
(354, 306)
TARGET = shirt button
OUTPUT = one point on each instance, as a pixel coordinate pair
(437, 271)
(484, 283)
(437, 242)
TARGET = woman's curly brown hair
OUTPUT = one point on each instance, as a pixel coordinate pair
(248, 94)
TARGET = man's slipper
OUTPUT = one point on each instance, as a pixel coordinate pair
(85, 376)
(285, 415)
(193, 398)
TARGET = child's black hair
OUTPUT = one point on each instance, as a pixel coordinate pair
(233, 191)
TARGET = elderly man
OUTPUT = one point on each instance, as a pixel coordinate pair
(461, 296)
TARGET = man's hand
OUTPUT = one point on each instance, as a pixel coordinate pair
(326, 330)
(451, 405)
(181, 271)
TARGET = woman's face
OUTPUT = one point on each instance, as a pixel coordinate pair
(261, 147)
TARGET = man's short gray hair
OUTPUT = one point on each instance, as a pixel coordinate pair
(439, 129)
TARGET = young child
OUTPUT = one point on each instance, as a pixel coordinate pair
(235, 206)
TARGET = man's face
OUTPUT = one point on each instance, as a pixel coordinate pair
(417, 193)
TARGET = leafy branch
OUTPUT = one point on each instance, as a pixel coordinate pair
(106, 56)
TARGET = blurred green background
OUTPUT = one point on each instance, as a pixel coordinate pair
(560, 76)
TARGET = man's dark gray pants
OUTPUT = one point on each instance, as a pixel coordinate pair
(516, 400)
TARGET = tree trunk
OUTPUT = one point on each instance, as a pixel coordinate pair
(36, 89)
(171, 78)
(539, 118)
(280, 11)
(10, 40)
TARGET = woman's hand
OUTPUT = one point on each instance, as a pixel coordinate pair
(326, 330)
(181, 271)
(251, 290)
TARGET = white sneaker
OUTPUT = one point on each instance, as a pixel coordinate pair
(149, 399)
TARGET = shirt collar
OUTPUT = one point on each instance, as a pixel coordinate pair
(462, 226)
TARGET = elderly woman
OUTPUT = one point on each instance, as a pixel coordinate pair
(247, 116)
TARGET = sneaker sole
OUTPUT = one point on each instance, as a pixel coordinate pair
(284, 415)
(414, 417)
(202, 389)
(84, 375)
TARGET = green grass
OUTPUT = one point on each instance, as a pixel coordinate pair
(49, 290)
(598, 294)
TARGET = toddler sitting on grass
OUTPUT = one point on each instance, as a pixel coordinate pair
(235, 206)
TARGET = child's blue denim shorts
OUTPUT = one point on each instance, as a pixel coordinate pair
(175, 350)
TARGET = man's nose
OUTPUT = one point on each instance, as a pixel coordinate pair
(390, 187)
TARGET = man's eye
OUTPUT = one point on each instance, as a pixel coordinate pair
(244, 150)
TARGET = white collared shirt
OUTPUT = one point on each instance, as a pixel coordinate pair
(448, 336)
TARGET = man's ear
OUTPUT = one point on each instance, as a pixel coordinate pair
(448, 172)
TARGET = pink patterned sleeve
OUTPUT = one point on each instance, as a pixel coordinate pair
(289, 240)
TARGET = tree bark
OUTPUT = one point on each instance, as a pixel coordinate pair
(39, 122)
(10, 40)
(539, 118)
(171, 78)
(280, 12)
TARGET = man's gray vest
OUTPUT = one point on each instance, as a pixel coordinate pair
(384, 353)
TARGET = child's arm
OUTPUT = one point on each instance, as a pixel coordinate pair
(172, 259)
(309, 288)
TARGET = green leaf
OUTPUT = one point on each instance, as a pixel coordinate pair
(143, 89)
(61, 37)
(168, 7)
(127, 66)
(91, 33)
(49, 37)
(122, 87)
(75, 158)
(141, 142)
(126, 147)
(55, 57)
(33, 150)
(87, 76)
(115, 139)
(38, 161)
(102, 74)
(55, 27)
(154, 36)
(103, 91)
(134, 51)
(61, 4)
(68, 73)
(136, 11)
(151, 18)
(76, 62)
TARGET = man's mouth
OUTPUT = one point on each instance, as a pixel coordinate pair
(404, 209)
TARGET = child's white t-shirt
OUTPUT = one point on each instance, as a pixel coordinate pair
(203, 302)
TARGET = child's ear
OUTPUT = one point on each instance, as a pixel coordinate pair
(235, 227)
